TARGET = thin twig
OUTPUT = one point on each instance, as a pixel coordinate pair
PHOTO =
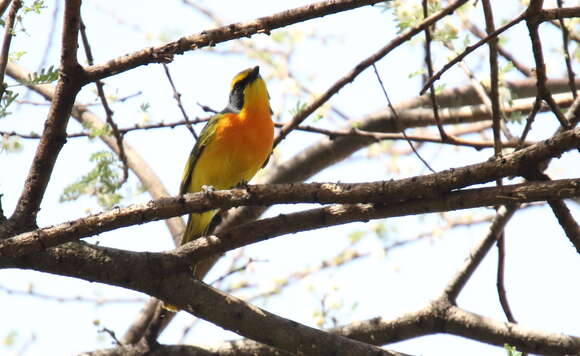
(177, 97)
(494, 78)
(500, 285)
(361, 66)
(429, 64)
(567, 59)
(567, 222)
(562, 213)
(470, 49)
(8, 33)
(353, 132)
(478, 252)
(50, 36)
(485, 99)
(111, 333)
(106, 107)
(530, 119)
(348, 255)
(533, 20)
(392, 108)
(525, 70)
(80, 299)
(573, 36)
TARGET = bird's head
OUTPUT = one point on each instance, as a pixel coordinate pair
(248, 91)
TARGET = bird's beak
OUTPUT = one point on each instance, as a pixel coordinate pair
(254, 74)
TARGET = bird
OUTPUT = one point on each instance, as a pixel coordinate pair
(232, 147)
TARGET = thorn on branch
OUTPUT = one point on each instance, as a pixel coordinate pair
(111, 333)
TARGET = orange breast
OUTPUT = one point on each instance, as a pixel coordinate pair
(239, 147)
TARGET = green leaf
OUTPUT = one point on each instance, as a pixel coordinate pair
(104, 130)
(10, 144)
(44, 76)
(511, 350)
(297, 108)
(356, 236)
(7, 99)
(417, 72)
(15, 56)
(144, 107)
(36, 7)
(102, 182)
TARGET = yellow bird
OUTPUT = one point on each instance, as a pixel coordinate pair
(232, 147)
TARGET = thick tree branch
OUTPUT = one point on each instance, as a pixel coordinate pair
(387, 203)
(4, 5)
(206, 302)
(446, 318)
(518, 163)
(165, 53)
(558, 13)
(54, 135)
(124, 268)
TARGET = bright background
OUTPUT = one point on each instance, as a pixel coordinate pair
(541, 266)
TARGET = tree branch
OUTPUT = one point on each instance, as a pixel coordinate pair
(409, 118)
(533, 21)
(470, 49)
(494, 77)
(180, 288)
(54, 135)
(165, 53)
(388, 199)
(8, 33)
(136, 163)
(361, 66)
(443, 317)
(478, 252)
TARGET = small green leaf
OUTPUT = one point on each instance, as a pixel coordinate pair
(7, 99)
(10, 144)
(36, 7)
(15, 56)
(44, 76)
(511, 350)
(102, 182)
(144, 107)
(104, 130)
(297, 108)
(416, 73)
(356, 236)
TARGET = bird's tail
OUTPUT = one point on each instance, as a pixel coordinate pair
(197, 226)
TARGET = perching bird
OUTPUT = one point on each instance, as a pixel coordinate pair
(232, 147)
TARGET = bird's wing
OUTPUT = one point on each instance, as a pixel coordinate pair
(204, 138)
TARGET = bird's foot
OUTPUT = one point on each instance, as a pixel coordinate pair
(207, 189)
